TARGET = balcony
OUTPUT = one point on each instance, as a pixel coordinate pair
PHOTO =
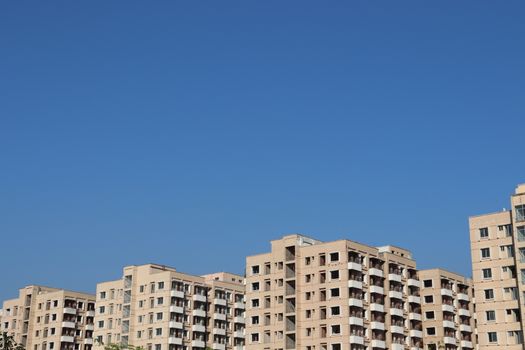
(90, 327)
(375, 272)
(414, 299)
(67, 324)
(396, 346)
(466, 344)
(464, 312)
(70, 310)
(414, 316)
(218, 301)
(239, 305)
(396, 312)
(355, 266)
(414, 283)
(377, 325)
(175, 341)
(217, 346)
(377, 290)
(176, 325)
(219, 331)
(200, 298)
(177, 309)
(238, 319)
(90, 313)
(447, 308)
(355, 321)
(238, 334)
(397, 329)
(447, 292)
(198, 328)
(395, 295)
(67, 339)
(218, 316)
(355, 284)
(377, 307)
(449, 324)
(355, 302)
(198, 343)
(88, 341)
(177, 294)
(355, 339)
(376, 343)
(414, 333)
(463, 296)
(465, 328)
(199, 313)
(394, 277)
(449, 340)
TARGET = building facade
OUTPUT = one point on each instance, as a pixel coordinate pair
(44, 318)
(341, 295)
(159, 308)
(498, 270)
(447, 310)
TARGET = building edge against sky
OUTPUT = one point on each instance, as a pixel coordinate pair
(498, 271)
(367, 296)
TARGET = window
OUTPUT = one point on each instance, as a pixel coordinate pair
(429, 299)
(160, 301)
(489, 294)
(431, 331)
(485, 253)
(487, 273)
(158, 331)
(429, 315)
(307, 260)
(100, 324)
(255, 271)
(255, 337)
(336, 329)
(493, 337)
(334, 292)
(520, 212)
(334, 275)
(255, 302)
(484, 232)
(255, 319)
(491, 315)
(521, 233)
(101, 309)
(159, 316)
(102, 295)
(334, 257)
(335, 310)
(141, 289)
(161, 285)
(255, 286)
(427, 283)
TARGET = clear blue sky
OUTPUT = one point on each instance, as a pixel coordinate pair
(191, 133)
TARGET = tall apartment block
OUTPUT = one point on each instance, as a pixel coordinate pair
(159, 308)
(448, 310)
(341, 295)
(498, 269)
(43, 318)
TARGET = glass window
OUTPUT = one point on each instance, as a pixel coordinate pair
(489, 294)
(484, 232)
(493, 337)
(520, 212)
(485, 253)
(487, 273)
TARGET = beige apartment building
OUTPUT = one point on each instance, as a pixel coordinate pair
(498, 269)
(44, 318)
(159, 308)
(341, 295)
(447, 309)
